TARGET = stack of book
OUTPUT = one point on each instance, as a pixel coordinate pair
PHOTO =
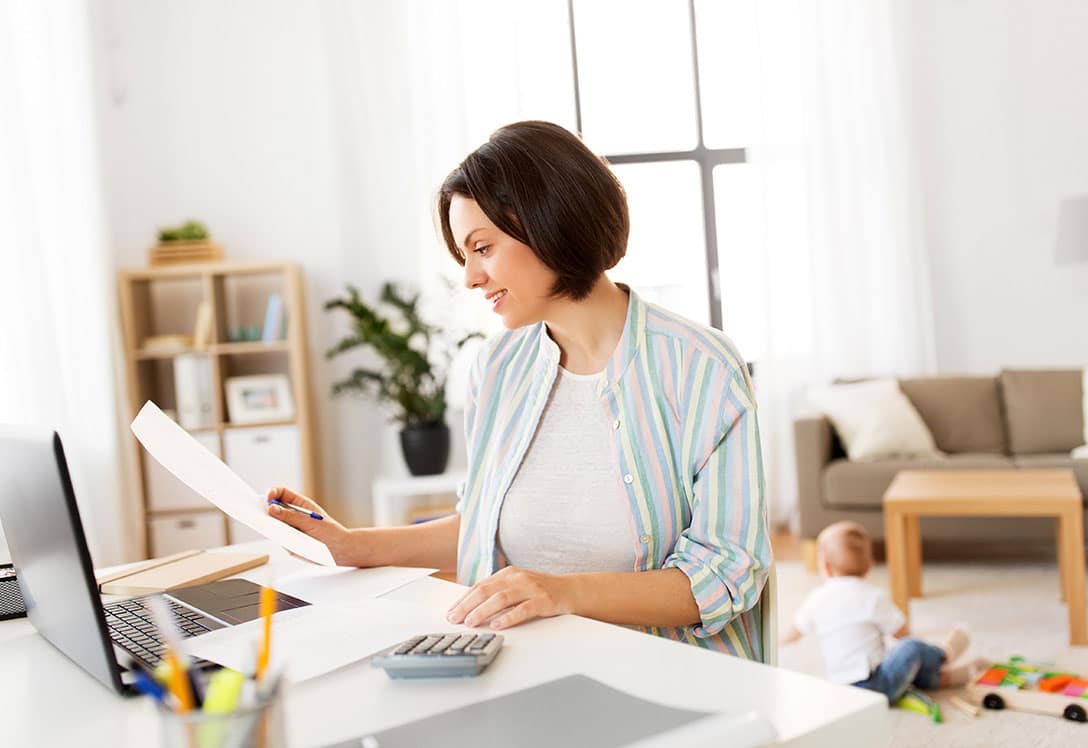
(184, 253)
(193, 391)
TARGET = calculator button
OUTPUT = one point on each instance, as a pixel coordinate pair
(407, 646)
(425, 645)
(486, 637)
(459, 646)
(443, 643)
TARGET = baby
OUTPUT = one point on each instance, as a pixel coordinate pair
(851, 617)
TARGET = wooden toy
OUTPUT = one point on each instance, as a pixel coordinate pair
(964, 706)
(1031, 688)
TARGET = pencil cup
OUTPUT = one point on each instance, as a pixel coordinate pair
(254, 726)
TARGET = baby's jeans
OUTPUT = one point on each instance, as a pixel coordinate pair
(910, 662)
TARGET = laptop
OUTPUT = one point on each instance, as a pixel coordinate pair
(45, 536)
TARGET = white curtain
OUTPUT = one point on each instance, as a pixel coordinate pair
(448, 73)
(845, 267)
(57, 356)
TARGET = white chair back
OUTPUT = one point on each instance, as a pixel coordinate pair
(768, 618)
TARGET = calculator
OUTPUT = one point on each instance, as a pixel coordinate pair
(439, 655)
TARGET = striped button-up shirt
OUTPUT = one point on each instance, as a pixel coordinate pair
(686, 445)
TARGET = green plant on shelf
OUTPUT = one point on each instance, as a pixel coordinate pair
(190, 231)
(416, 356)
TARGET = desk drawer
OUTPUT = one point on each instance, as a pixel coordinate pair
(185, 532)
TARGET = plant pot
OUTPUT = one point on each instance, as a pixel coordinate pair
(426, 448)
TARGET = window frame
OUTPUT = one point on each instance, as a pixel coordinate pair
(705, 158)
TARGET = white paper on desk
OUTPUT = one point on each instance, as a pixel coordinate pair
(342, 585)
(318, 639)
(181, 454)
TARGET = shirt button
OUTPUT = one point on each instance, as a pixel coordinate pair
(644, 538)
(628, 478)
(616, 424)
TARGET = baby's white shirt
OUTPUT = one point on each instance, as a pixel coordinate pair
(850, 617)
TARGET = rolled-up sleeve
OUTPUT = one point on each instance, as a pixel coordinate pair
(725, 551)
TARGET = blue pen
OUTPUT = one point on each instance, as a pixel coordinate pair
(148, 686)
(293, 508)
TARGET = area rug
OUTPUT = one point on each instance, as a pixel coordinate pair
(1009, 608)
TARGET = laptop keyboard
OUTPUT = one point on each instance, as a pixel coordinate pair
(132, 628)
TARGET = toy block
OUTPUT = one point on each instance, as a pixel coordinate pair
(1031, 680)
(1055, 683)
(1075, 687)
(992, 677)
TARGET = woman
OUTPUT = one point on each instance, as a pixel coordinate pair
(614, 466)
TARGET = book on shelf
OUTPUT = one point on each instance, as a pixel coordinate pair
(202, 328)
(193, 391)
(275, 320)
(166, 343)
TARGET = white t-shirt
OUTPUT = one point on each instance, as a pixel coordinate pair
(851, 618)
(566, 510)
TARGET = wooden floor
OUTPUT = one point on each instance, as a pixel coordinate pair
(786, 545)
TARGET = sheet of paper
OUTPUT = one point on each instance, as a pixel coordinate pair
(311, 641)
(181, 454)
(341, 585)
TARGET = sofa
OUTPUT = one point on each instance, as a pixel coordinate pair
(1018, 419)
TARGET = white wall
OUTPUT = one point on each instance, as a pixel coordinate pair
(1002, 117)
(227, 112)
(317, 131)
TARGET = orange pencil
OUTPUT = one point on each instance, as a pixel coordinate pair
(268, 607)
(177, 678)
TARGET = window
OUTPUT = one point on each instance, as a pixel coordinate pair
(667, 90)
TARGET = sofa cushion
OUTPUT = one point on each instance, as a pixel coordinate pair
(874, 420)
(1048, 461)
(963, 413)
(1043, 411)
(861, 485)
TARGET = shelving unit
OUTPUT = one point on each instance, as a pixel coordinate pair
(280, 451)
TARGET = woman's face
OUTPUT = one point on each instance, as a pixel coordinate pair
(513, 279)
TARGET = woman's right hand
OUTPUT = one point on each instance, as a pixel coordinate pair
(340, 541)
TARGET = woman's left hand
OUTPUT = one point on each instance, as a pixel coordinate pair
(524, 595)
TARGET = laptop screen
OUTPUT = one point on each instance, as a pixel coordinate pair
(45, 535)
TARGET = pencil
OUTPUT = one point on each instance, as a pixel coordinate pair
(268, 607)
(177, 678)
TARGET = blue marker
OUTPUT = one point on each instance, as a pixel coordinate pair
(293, 508)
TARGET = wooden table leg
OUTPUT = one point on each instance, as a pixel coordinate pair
(1063, 577)
(914, 556)
(808, 554)
(895, 546)
(1073, 547)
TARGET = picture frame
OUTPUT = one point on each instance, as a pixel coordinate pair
(259, 399)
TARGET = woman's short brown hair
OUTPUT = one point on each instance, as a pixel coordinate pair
(540, 184)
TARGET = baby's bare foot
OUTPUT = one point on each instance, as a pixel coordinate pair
(956, 643)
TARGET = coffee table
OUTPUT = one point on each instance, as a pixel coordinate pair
(985, 493)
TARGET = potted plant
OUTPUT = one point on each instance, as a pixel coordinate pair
(416, 358)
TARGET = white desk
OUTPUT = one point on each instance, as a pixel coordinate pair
(46, 700)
